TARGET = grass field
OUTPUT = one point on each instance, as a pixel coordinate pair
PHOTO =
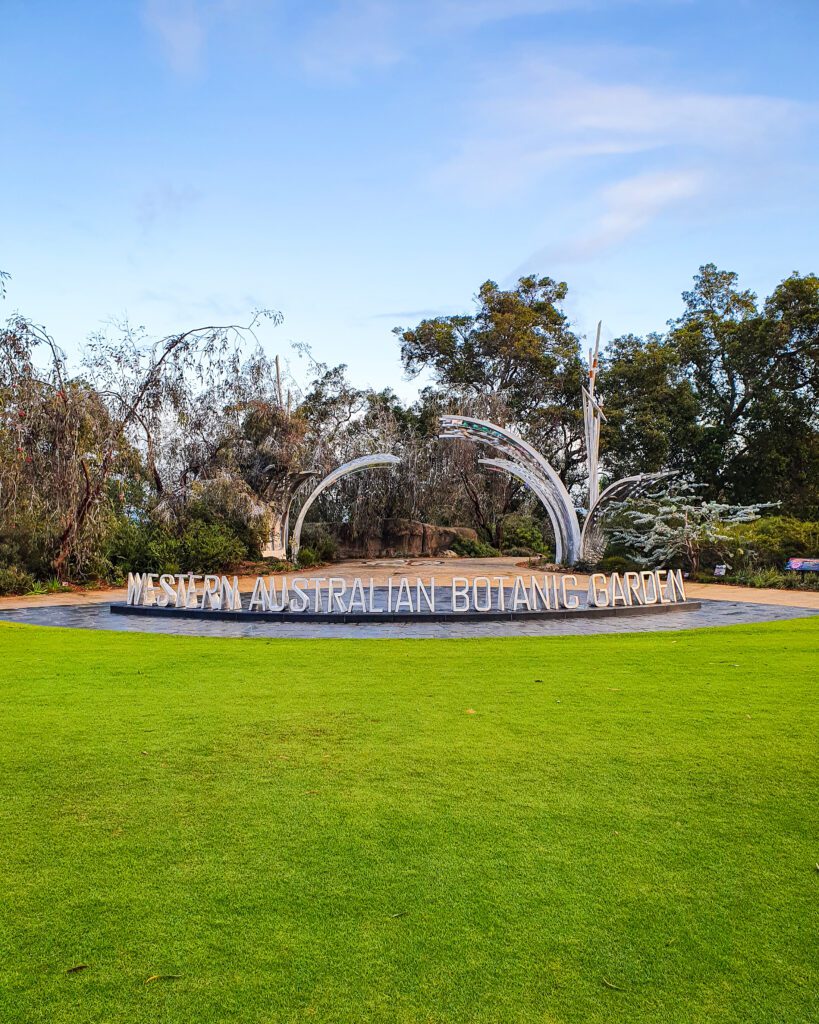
(615, 828)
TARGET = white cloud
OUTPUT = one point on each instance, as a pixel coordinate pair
(165, 201)
(183, 27)
(622, 210)
(355, 34)
(618, 153)
(362, 34)
(179, 25)
(542, 117)
(338, 38)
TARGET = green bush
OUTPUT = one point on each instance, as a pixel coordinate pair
(50, 586)
(776, 579)
(277, 565)
(468, 548)
(25, 546)
(542, 556)
(321, 542)
(148, 546)
(522, 532)
(143, 546)
(15, 581)
(307, 558)
(616, 563)
(772, 540)
(210, 547)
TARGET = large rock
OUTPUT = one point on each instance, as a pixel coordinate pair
(398, 537)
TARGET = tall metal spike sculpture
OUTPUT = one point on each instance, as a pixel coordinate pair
(529, 466)
(378, 461)
(592, 415)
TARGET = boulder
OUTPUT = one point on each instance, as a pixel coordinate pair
(392, 537)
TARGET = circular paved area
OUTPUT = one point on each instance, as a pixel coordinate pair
(711, 613)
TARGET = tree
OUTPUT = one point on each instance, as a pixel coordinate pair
(650, 406)
(755, 375)
(517, 348)
(729, 394)
(80, 428)
(676, 527)
(56, 435)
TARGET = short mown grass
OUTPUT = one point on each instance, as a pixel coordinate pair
(614, 828)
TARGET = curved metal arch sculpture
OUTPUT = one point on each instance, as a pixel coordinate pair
(543, 496)
(525, 458)
(300, 480)
(593, 536)
(378, 461)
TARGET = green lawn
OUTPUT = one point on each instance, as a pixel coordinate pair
(617, 828)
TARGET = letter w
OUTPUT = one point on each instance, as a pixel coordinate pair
(136, 588)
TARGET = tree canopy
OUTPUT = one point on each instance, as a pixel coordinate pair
(202, 432)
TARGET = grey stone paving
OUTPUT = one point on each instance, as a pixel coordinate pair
(712, 613)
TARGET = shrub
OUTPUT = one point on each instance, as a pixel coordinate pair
(321, 542)
(50, 586)
(542, 556)
(522, 533)
(772, 540)
(27, 547)
(307, 558)
(15, 581)
(468, 548)
(143, 546)
(775, 579)
(148, 546)
(617, 563)
(209, 547)
(277, 565)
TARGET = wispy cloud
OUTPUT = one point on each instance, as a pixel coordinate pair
(165, 201)
(621, 210)
(183, 28)
(179, 26)
(358, 35)
(621, 153)
(540, 117)
(340, 38)
(354, 34)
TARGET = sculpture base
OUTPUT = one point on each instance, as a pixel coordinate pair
(371, 618)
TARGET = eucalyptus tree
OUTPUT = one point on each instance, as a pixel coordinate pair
(60, 446)
(140, 383)
(518, 348)
(730, 394)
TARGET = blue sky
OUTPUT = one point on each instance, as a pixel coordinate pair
(360, 164)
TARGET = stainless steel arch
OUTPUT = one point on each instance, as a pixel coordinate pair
(535, 485)
(378, 461)
(522, 454)
(593, 537)
(298, 482)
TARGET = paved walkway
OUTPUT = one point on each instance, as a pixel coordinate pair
(720, 606)
(711, 613)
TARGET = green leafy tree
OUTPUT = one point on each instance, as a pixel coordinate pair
(516, 347)
(755, 374)
(650, 406)
(730, 394)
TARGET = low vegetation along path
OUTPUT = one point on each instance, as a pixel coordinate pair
(608, 828)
